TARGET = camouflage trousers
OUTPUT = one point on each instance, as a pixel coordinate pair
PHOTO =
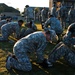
(21, 62)
(61, 50)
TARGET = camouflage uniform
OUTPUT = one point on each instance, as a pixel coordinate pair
(71, 16)
(29, 44)
(43, 15)
(28, 30)
(63, 15)
(64, 49)
(53, 11)
(8, 29)
(29, 14)
(54, 25)
(63, 11)
(2, 22)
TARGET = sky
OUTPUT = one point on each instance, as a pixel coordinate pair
(22, 3)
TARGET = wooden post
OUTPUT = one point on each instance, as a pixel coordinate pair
(50, 4)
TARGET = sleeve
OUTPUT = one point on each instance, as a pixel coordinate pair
(69, 44)
(66, 40)
(40, 50)
(47, 22)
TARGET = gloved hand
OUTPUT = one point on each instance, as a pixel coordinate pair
(45, 64)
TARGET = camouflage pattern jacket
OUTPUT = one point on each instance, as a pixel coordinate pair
(2, 22)
(54, 24)
(69, 41)
(29, 13)
(35, 42)
(11, 27)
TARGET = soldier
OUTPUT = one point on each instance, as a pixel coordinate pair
(35, 42)
(29, 13)
(63, 14)
(43, 16)
(53, 11)
(9, 28)
(71, 15)
(31, 27)
(54, 24)
(66, 48)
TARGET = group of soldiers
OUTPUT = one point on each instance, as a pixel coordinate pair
(64, 14)
(33, 41)
(7, 27)
(35, 14)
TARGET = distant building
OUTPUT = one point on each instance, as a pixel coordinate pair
(11, 14)
(8, 11)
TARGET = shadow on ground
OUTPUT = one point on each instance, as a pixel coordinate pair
(58, 68)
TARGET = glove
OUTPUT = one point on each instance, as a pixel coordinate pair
(45, 64)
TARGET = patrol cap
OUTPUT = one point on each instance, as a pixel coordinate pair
(53, 36)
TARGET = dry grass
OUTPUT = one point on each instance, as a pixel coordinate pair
(39, 27)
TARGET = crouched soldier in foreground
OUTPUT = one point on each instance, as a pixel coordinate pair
(9, 28)
(34, 42)
(66, 48)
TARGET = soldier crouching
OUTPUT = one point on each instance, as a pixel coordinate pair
(66, 48)
(9, 28)
(35, 42)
